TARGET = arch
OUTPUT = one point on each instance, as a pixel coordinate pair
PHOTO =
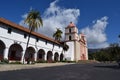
(29, 54)
(61, 57)
(15, 52)
(41, 55)
(49, 56)
(2, 48)
(56, 56)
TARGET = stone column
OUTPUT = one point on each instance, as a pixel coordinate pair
(6, 51)
(45, 57)
(35, 56)
(53, 57)
(23, 57)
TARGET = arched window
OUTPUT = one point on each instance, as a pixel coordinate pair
(2, 48)
(15, 52)
(49, 56)
(56, 56)
(61, 57)
(41, 54)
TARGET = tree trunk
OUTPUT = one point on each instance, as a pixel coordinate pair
(27, 43)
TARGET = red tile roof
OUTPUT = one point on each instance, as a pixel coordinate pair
(16, 26)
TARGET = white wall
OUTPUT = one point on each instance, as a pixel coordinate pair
(77, 51)
(17, 36)
(69, 55)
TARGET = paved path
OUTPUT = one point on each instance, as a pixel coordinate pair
(96, 71)
(9, 67)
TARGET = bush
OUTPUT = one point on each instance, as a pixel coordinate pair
(88, 61)
(67, 61)
(17, 62)
(41, 61)
(6, 61)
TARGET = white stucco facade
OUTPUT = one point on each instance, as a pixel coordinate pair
(69, 55)
(13, 43)
(13, 40)
(77, 44)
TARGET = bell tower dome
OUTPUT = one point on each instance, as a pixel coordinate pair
(71, 32)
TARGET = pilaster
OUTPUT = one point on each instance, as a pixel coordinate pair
(6, 51)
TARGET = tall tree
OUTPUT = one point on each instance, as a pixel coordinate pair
(119, 39)
(58, 34)
(34, 21)
(65, 47)
(114, 51)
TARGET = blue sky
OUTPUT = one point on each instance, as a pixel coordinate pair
(100, 18)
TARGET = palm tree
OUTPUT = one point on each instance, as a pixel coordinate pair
(34, 21)
(65, 47)
(58, 34)
(115, 51)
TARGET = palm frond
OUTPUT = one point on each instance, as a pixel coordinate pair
(34, 20)
(57, 34)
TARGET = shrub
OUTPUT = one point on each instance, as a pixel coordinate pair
(6, 61)
(17, 62)
(67, 61)
(41, 61)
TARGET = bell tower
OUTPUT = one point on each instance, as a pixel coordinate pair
(71, 32)
(77, 44)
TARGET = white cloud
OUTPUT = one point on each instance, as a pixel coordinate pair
(95, 34)
(59, 17)
(56, 17)
(22, 21)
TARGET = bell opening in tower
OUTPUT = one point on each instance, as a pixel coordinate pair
(69, 37)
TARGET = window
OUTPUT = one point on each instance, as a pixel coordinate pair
(70, 30)
(46, 42)
(59, 46)
(9, 30)
(53, 44)
(25, 35)
(37, 39)
(69, 37)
